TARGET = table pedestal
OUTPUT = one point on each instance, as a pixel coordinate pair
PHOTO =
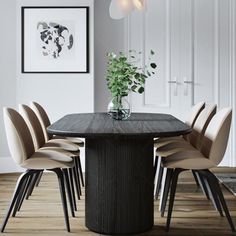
(119, 185)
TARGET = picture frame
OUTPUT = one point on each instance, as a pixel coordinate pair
(55, 39)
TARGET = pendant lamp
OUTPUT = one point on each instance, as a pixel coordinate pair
(121, 8)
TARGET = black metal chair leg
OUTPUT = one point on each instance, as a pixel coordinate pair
(32, 184)
(77, 178)
(39, 178)
(157, 185)
(80, 170)
(216, 184)
(213, 195)
(19, 183)
(195, 178)
(20, 195)
(63, 195)
(202, 185)
(155, 165)
(25, 192)
(72, 187)
(79, 173)
(159, 180)
(68, 188)
(172, 196)
(166, 191)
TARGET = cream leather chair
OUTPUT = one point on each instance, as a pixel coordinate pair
(213, 147)
(39, 142)
(195, 112)
(161, 142)
(22, 151)
(194, 141)
(45, 122)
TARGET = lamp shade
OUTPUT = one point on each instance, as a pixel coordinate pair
(120, 8)
(139, 4)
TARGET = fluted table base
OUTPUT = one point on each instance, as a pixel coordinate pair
(119, 185)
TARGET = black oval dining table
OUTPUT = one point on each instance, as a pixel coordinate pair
(119, 173)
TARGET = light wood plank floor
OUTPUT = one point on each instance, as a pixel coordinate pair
(42, 213)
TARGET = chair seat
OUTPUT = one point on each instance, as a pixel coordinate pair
(164, 141)
(50, 146)
(191, 159)
(75, 140)
(62, 143)
(48, 159)
(173, 147)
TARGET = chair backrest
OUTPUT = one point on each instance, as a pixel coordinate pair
(195, 111)
(43, 118)
(200, 126)
(18, 136)
(216, 137)
(34, 125)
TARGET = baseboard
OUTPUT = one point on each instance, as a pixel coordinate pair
(7, 165)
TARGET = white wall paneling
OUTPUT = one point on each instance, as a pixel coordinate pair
(232, 60)
(195, 45)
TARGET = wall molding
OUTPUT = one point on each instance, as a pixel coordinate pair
(192, 49)
(217, 52)
(232, 66)
(167, 56)
(143, 37)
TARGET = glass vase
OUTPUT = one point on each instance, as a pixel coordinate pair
(119, 108)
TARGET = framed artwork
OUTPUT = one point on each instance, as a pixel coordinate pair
(55, 39)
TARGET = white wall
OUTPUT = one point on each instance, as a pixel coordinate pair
(109, 37)
(60, 94)
(7, 64)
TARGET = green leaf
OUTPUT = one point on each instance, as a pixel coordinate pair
(153, 65)
(124, 76)
(136, 76)
(141, 90)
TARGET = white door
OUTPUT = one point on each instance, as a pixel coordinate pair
(170, 28)
(194, 41)
(165, 28)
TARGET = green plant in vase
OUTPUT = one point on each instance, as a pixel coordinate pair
(125, 76)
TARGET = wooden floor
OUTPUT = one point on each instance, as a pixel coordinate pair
(42, 214)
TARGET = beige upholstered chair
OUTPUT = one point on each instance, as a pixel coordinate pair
(213, 147)
(39, 142)
(194, 141)
(23, 152)
(161, 142)
(37, 133)
(45, 122)
(195, 112)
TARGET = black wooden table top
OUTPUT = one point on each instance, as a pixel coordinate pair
(100, 124)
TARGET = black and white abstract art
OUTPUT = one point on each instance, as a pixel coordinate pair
(55, 40)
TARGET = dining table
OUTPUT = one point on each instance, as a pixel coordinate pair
(119, 172)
